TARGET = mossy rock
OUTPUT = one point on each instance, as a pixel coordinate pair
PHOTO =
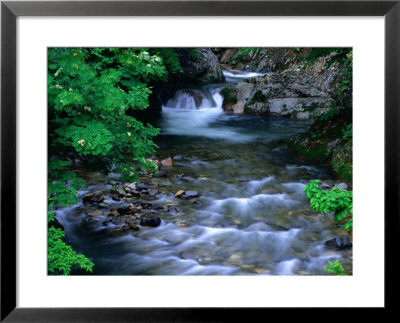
(342, 162)
(228, 97)
(324, 142)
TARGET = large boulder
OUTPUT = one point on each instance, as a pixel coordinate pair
(338, 243)
(237, 96)
(151, 221)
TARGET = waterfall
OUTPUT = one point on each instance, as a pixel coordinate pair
(207, 97)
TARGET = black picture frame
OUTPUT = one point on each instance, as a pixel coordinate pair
(10, 10)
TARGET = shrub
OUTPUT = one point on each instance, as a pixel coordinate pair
(90, 92)
(336, 200)
(334, 268)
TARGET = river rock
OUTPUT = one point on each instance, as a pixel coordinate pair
(151, 221)
(113, 213)
(126, 210)
(146, 205)
(161, 174)
(343, 186)
(141, 186)
(167, 162)
(132, 226)
(115, 197)
(190, 194)
(134, 193)
(95, 212)
(118, 191)
(179, 193)
(135, 209)
(338, 243)
(93, 198)
(106, 222)
(153, 192)
(174, 209)
(130, 187)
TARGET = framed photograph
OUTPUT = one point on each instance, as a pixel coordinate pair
(197, 158)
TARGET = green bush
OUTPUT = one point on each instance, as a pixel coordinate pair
(334, 268)
(348, 132)
(336, 200)
(90, 94)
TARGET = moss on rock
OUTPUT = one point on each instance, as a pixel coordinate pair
(324, 142)
(342, 162)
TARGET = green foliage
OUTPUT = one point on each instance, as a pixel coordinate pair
(342, 161)
(194, 53)
(242, 52)
(91, 92)
(61, 257)
(334, 268)
(346, 58)
(170, 59)
(62, 187)
(318, 52)
(336, 200)
(348, 132)
(329, 114)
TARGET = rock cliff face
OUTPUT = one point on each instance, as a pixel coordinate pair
(301, 91)
(201, 68)
(259, 60)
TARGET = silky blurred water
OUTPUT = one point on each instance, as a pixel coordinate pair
(252, 216)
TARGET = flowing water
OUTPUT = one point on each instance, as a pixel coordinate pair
(252, 216)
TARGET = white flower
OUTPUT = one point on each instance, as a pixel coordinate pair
(129, 134)
(81, 142)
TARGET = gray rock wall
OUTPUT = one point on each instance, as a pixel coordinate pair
(301, 91)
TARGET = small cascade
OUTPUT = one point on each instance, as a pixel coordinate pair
(236, 75)
(196, 99)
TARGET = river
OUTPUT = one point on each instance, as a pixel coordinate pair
(251, 217)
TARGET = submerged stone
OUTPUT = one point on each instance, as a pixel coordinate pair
(191, 194)
(152, 221)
